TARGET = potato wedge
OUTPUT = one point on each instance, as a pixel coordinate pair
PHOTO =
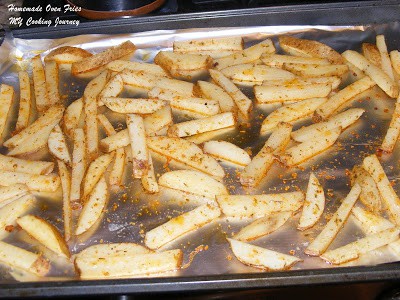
(174, 85)
(369, 222)
(45, 233)
(115, 141)
(58, 145)
(393, 132)
(263, 226)
(12, 192)
(371, 52)
(6, 101)
(308, 70)
(240, 206)
(353, 250)
(39, 85)
(158, 120)
(22, 259)
(133, 105)
(261, 258)
(228, 152)
(211, 135)
(65, 178)
(112, 249)
(395, 59)
(139, 79)
(319, 245)
(180, 225)
(193, 182)
(386, 65)
(72, 117)
(112, 88)
(44, 183)
(333, 81)
(8, 163)
(120, 65)
(95, 171)
(185, 152)
(214, 92)
(67, 55)
(172, 61)
(209, 44)
(277, 60)
(25, 102)
(52, 82)
(314, 204)
(78, 165)
(149, 181)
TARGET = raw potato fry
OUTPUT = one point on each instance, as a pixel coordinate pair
(78, 165)
(6, 100)
(393, 132)
(45, 233)
(211, 44)
(65, 177)
(342, 120)
(44, 183)
(72, 116)
(380, 77)
(93, 207)
(113, 249)
(308, 70)
(354, 71)
(52, 82)
(25, 101)
(355, 249)
(133, 105)
(211, 135)
(180, 225)
(178, 86)
(395, 59)
(128, 265)
(385, 59)
(158, 120)
(262, 162)
(369, 222)
(181, 151)
(260, 257)
(371, 52)
(120, 65)
(149, 180)
(319, 245)
(314, 204)
(212, 91)
(309, 48)
(306, 150)
(262, 226)
(228, 152)
(248, 55)
(277, 60)
(112, 88)
(139, 79)
(334, 81)
(243, 103)
(193, 127)
(67, 55)
(240, 206)
(137, 137)
(182, 61)
(25, 166)
(193, 182)
(115, 141)
(22, 259)
(291, 113)
(101, 59)
(95, 171)
(58, 145)
(11, 193)
(270, 93)
(39, 85)
(372, 165)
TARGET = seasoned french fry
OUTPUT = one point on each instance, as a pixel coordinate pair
(395, 59)
(372, 165)
(308, 70)
(120, 65)
(52, 82)
(11, 193)
(277, 60)
(95, 171)
(158, 120)
(369, 222)
(211, 135)
(393, 132)
(214, 92)
(39, 84)
(228, 152)
(210, 44)
(371, 52)
(78, 165)
(115, 141)
(6, 100)
(172, 61)
(193, 182)
(58, 145)
(174, 85)
(137, 137)
(333, 81)
(355, 249)
(65, 177)
(133, 105)
(314, 204)
(262, 226)
(72, 116)
(22, 259)
(385, 59)
(139, 79)
(45, 183)
(180, 225)
(149, 180)
(45, 233)
(239, 206)
(67, 55)
(8, 163)
(261, 258)
(25, 101)
(113, 249)
(291, 113)
(112, 88)
(319, 245)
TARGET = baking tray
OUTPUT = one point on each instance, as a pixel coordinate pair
(356, 13)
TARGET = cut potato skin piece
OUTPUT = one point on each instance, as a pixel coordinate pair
(67, 55)
(228, 152)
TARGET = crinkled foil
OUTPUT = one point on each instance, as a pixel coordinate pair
(131, 212)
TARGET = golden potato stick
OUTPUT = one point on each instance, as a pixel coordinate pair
(185, 152)
(372, 165)
(113, 249)
(380, 77)
(45, 183)
(99, 60)
(255, 74)
(354, 71)
(133, 105)
(209, 44)
(386, 65)
(39, 85)
(95, 171)
(65, 177)
(149, 180)
(291, 113)
(20, 258)
(128, 265)
(262, 226)
(309, 48)
(369, 222)
(211, 135)
(25, 102)
(158, 120)
(12, 192)
(78, 165)
(239, 206)
(139, 79)
(120, 65)
(277, 60)
(111, 89)
(52, 82)
(45, 233)
(115, 141)
(6, 101)
(328, 234)
(261, 258)
(246, 56)
(137, 137)
(214, 92)
(395, 59)
(58, 145)
(371, 52)
(333, 81)
(67, 55)
(72, 117)
(227, 152)
(353, 250)
(243, 103)
(8, 163)
(369, 196)
(180, 225)
(182, 61)
(262, 162)
(306, 150)
(393, 131)
(307, 70)
(93, 207)
(314, 204)
(343, 120)
(193, 182)
(178, 86)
